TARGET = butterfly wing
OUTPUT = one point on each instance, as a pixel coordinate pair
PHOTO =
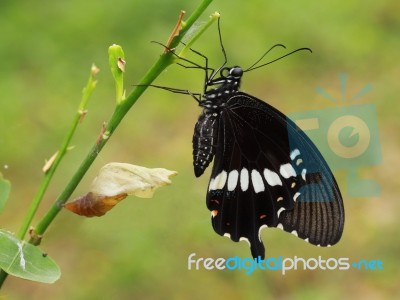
(268, 173)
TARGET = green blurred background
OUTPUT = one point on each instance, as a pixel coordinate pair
(140, 249)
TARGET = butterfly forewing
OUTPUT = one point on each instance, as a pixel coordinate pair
(268, 173)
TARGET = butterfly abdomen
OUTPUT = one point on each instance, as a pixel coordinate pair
(204, 141)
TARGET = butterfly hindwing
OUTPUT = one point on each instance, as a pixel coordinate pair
(268, 173)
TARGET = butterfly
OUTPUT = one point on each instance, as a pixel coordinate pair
(266, 172)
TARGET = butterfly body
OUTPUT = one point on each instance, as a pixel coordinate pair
(214, 101)
(266, 172)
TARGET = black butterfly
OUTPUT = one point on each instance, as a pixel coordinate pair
(267, 172)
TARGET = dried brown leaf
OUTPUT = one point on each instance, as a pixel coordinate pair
(93, 205)
(114, 183)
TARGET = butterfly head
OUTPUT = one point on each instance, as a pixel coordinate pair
(219, 89)
(235, 72)
(229, 76)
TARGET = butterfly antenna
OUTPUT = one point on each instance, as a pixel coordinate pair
(223, 52)
(268, 51)
(254, 66)
(222, 44)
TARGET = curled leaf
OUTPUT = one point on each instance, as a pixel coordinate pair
(116, 58)
(49, 162)
(175, 31)
(114, 183)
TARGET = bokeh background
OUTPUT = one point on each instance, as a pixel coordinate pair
(140, 249)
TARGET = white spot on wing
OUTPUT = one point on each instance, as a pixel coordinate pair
(280, 226)
(280, 211)
(295, 196)
(279, 199)
(294, 232)
(233, 180)
(307, 240)
(259, 231)
(211, 184)
(246, 240)
(272, 178)
(294, 153)
(219, 181)
(287, 171)
(303, 174)
(244, 179)
(257, 181)
(228, 235)
(299, 161)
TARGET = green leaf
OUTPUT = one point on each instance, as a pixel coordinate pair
(196, 32)
(5, 187)
(21, 259)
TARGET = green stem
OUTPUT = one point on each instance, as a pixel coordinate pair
(160, 65)
(42, 189)
(46, 180)
(3, 277)
(215, 16)
(50, 172)
(115, 119)
(121, 109)
(60, 154)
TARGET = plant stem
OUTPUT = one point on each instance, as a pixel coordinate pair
(160, 65)
(120, 111)
(59, 156)
(215, 16)
(47, 178)
(54, 165)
